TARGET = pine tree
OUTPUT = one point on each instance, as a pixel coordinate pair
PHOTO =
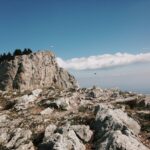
(25, 52)
(0, 58)
(9, 56)
(29, 51)
(17, 52)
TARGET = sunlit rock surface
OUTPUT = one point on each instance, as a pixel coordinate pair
(36, 70)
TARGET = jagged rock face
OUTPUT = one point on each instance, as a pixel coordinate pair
(116, 130)
(34, 71)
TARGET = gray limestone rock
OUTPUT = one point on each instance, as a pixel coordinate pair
(115, 130)
(83, 132)
(117, 140)
(27, 101)
(61, 139)
(19, 137)
(36, 70)
(27, 146)
(61, 103)
(48, 111)
(114, 119)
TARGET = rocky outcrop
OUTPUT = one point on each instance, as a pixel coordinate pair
(36, 70)
(51, 113)
(83, 132)
(62, 138)
(116, 130)
(82, 119)
(16, 139)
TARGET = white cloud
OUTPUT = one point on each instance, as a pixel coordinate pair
(103, 61)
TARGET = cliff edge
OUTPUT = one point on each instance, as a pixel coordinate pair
(36, 70)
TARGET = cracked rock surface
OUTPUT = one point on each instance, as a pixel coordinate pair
(56, 119)
(36, 70)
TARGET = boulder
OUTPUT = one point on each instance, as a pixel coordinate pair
(94, 93)
(4, 136)
(36, 92)
(145, 103)
(61, 103)
(49, 131)
(115, 130)
(18, 137)
(134, 101)
(65, 139)
(4, 120)
(116, 140)
(114, 119)
(83, 132)
(47, 111)
(27, 146)
(25, 101)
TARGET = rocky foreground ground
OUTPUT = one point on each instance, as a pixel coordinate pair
(42, 108)
(74, 119)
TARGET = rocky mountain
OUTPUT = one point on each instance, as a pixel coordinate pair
(59, 116)
(36, 70)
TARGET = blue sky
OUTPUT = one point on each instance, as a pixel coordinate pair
(75, 28)
(81, 28)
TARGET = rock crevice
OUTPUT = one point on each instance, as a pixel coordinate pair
(36, 70)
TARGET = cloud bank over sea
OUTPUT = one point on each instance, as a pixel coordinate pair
(122, 70)
(103, 61)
